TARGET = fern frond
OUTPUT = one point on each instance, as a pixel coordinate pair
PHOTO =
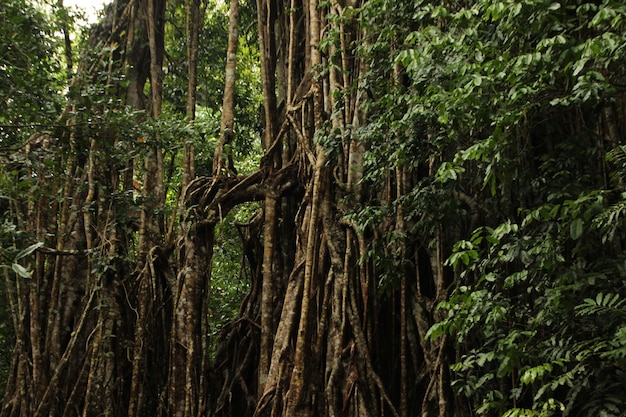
(603, 303)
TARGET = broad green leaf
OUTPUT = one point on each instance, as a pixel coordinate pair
(21, 271)
(576, 229)
(554, 6)
(436, 330)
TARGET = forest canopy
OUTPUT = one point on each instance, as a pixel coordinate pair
(313, 208)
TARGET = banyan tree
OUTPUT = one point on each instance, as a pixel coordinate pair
(373, 209)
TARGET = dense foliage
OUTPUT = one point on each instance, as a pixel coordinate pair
(43, 99)
(30, 79)
(512, 116)
(438, 218)
(30, 71)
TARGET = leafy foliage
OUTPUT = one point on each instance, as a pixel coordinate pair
(506, 116)
(30, 73)
(211, 62)
(500, 109)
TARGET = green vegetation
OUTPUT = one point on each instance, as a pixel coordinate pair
(31, 74)
(34, 89)
(30, 80)
(493, 191)
(516, 108)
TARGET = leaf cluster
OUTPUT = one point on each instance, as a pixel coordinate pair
(30, 73)
(497, 115)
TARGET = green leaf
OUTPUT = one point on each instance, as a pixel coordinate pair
(27, 251)
(520, 412)
(21, 271)
(535, 373)
(554, 6)
(576, 229)
(437, 330)
(465, 258)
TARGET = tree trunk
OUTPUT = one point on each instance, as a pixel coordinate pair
(195, 10)
(223, 161)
